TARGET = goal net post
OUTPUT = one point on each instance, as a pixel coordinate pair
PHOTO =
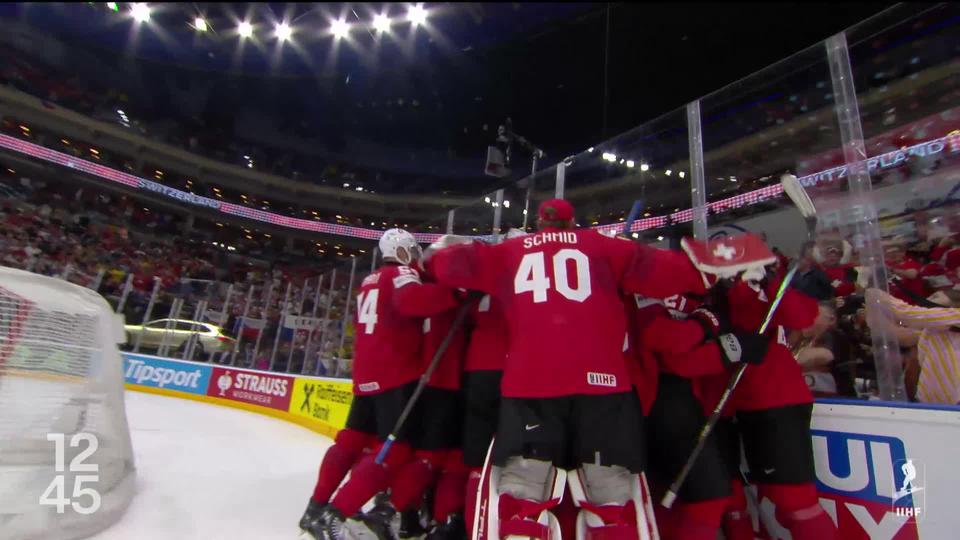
(66, 461)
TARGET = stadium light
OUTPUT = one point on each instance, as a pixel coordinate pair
(644, 167)
(245, 29)
(200, 24)
(339, 28)
(417, 15)
(284, 31)
(682, 174)
(140, 12)
(381, 23)
(630, 163)
(668, 172)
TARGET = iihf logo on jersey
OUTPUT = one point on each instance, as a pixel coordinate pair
(224, 383)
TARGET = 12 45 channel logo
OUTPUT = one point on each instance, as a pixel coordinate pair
(73, 477)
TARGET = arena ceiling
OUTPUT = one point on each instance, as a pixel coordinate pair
(569, 74)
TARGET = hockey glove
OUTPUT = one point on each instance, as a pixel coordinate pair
(742, 348)
(712, 323)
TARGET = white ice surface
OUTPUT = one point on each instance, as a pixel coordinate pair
(210, 472)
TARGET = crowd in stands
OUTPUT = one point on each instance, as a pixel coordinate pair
(837, 353)
(99, 241)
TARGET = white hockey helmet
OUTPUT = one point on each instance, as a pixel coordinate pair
(399, 245)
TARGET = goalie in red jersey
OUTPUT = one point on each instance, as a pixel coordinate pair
(567, 400)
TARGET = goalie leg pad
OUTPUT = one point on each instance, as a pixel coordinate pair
(615, 504)
(515, 503)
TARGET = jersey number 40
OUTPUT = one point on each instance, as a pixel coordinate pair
(532, 275)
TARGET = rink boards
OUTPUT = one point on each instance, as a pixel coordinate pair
(885, 471)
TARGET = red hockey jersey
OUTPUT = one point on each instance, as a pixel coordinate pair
(450, 367)
(487, 349)
(389, 325)
(561, 294)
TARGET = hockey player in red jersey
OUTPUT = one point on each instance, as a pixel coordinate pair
(567, 395)
(772, 404)
(391, 305)
(684, 348)
(437, 461)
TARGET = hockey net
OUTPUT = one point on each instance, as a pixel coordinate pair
(61, 378)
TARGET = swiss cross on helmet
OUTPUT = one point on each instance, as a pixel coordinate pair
(399, 245)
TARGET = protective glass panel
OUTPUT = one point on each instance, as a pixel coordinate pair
(645, 170)
(782, 121)
(475, 219)
(905, 72)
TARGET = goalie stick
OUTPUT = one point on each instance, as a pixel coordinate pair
(800, 198)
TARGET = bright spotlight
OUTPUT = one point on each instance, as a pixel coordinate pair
(644, 167)
(284, 31)
(339, 28)
(200, 24)
(245, 29)
(417, 14)
(140, 12)
(381, 23)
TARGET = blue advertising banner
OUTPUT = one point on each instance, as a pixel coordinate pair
(162, 373)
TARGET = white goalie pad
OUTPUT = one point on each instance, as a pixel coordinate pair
(487, 515)
(612, 487)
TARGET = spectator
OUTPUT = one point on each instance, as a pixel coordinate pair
(824, 353)
(843, 277)
(935, 374)
(905, 281)
(810, 278)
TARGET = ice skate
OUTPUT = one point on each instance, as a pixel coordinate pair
(411, 527)
(328, 525)
(311, 514)
(452, 529)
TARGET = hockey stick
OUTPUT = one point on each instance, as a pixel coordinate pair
(454, 327)
(634, 214)
(796, 193)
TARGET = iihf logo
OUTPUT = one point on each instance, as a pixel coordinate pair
(908, 498)
(224, 383)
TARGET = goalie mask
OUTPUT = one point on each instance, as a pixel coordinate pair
(399, 245)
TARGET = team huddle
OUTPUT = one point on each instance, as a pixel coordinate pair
(573, 395)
